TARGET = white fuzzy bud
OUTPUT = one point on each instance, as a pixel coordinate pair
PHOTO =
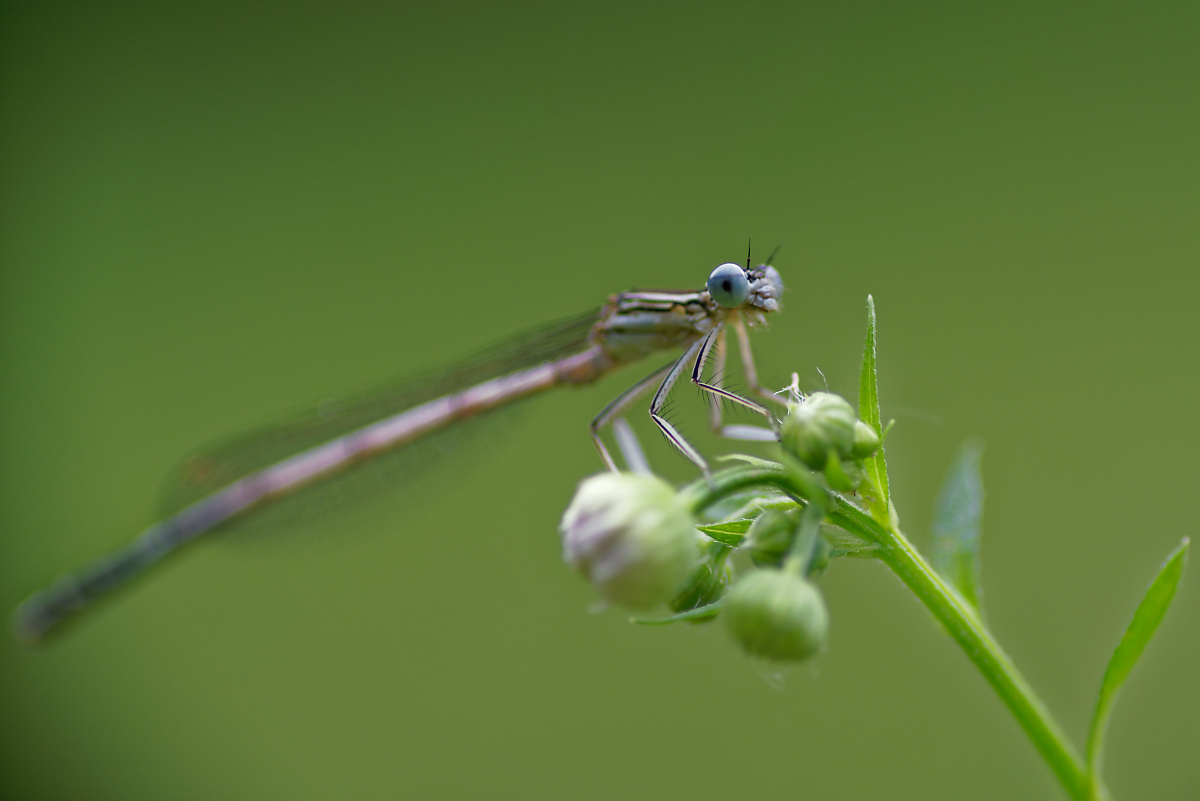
(632, 536)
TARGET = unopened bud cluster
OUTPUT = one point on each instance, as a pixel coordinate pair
(823, 432)
(635, 539)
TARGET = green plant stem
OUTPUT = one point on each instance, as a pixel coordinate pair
(982, 649)
(955, 615)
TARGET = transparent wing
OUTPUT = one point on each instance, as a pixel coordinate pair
(224, 462)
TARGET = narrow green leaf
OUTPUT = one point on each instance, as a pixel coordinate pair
(750, 460)
(730, 533)
(697, 615)
(958, 524)
(1149, 614)
(868, 412)
(749, 504)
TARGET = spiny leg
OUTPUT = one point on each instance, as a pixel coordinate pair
(626, 439)
(741, 432)
(696, 355)
(718, 379)
(660, 399)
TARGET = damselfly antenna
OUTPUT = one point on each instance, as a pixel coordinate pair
(774, 253)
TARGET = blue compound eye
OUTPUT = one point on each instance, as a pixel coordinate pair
(728, 285)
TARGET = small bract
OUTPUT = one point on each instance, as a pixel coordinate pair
(632, 536)
(776, 615)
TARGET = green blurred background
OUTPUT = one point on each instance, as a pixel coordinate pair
(213, 214)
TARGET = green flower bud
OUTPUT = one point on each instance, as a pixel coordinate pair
(708, 581)
(820, 424)
(866, 441)
(632, 536)
(770, 537)
(777, 616)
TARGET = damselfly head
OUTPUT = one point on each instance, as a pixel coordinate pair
(766, 287)
(732, 286)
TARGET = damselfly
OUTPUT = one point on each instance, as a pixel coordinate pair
(224, 484)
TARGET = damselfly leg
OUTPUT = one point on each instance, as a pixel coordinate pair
(748, 367)
(712, 344)
(697, 356)
(613, 414)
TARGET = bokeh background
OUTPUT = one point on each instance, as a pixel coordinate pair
(216, 213)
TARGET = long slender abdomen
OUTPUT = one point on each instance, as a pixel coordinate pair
(46, 611)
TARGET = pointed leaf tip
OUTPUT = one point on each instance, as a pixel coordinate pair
(1149, 615)
(868, 412)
